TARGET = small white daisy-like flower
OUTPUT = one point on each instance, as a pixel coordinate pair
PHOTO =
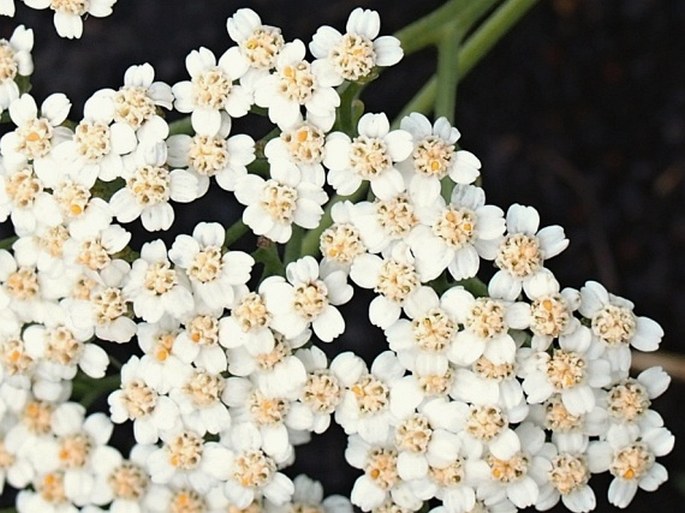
(488, 427)
(138, 400)
(520, 475)
(259, 43)
(366, 407)
(394, 279)
(486, 322)
(213, 273)
(369, 156)
(15, 470)
(199, 402)
(308, 496)
(487, 382)
(568, 480)
(96, 251)
(630, 456)
(435, 157)
(216, 155)
(341, 243)
(15, 61)
(248, 324)
(616, 326)
(155, 287)
(198, 342)
(150, 184)
(571, 370)
(274, 205)
(68, 13)
(296, 84)
(307, 298)
(25, 201)
(36, 133)
(252, 473)
(628, 401)
(523, 251)
(97, 144)
(136, 103)
(211, 89)
(456, 235)
(354, 55)
(380, 480)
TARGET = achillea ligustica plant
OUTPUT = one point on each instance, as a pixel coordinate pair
(484, 397)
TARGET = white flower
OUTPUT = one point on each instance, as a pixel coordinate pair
(273, 205)
(393, 278)
(248, 324)
(251, 472)
(308, 496)
(382, 222)
(435, 157)
(136, 103)
(572, 370)
(259, 43)
(68, 13)
(455, 235)
(354, 55)
(616, 326)
(296, 84)
(523, 251)
(217, 155)
(149, 187)
(93, 243)
(199, 402)
(213, 274)
(340, 243)
(98, 143)
(630, 456)
(15, 61)
(157, 342)
(198, 342)
(138, 400)
(36, 135)
(155, 287)
(369, 156)
(211, 89)
(486, 324)
(380, 480)
(366, 408)
(308, 299)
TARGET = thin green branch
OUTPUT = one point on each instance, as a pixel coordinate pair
(181, 126)
(235, 232)
(7, 243)
(448, 72)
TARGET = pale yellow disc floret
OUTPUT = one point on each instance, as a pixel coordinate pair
(7, 459)
(187, 501)
(138, 398)
(185, 450)
(62, 347)
(322, 392)
(558, 418)
(615, 325)
(436, 384)
(204, 389)
(74, 450)
(35, 138)
(449, 476)
(51, 488)
(371, 394)
(369, 156)
(208, 155)
(297, 82)
(14, 358)
(206, 265)
(568, 473)
(37, 416)
(72, 198)
(251, 312)
(93, 255)
(133, 106)
(520, 255)
(486, 318)
(280, 351)
(434, 330)
(413, 434)
(396, 280)
(262, 47)
(53, 240)
(492, 371)
(23, 187)
(92, 140)
(550, 315)
(253, 469)
(632, 462)
(203, 330)
(353, 57)
(74, 7)
(456, 226)
(211, 89)
(433, 157)
(305, 143)
(128, 481)
(396, 215)
(279, 201)
(381, 467)
(8, 62)
(109, 305)
(507, 471)
(565, 369)
(159, 278)
(23, 284)
(485, 422)
(266, 410)
(150, 185)
(341, 243)
(628, 400)
(310, 299)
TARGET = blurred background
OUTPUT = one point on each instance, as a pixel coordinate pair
(579, 111)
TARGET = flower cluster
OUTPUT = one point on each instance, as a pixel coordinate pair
(490, 398)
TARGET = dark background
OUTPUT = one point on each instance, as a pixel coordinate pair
(579, 112)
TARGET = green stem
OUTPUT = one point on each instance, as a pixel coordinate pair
(349, 95)
(87, 390)
(294, 245)
(268, 256)
(424, 31)
(475, 286)
(235, 232)
(448, 72)
(181, 126)
(7, 243)
(310, 242)
(491, 31)
(259, 167)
